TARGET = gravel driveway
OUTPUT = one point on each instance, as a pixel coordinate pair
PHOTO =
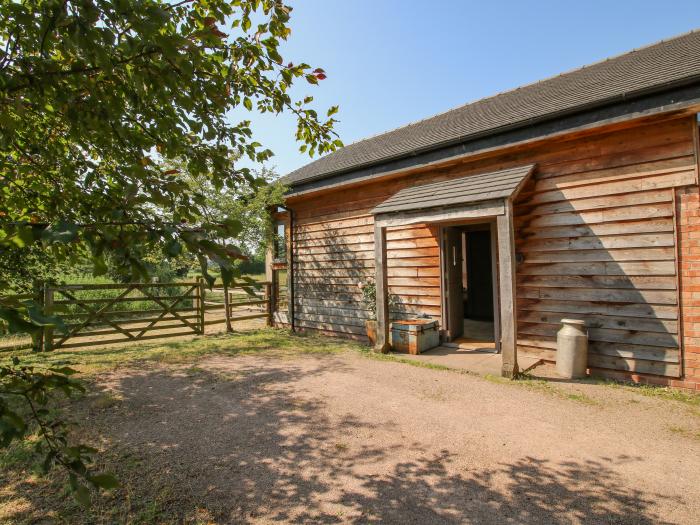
(347, 439)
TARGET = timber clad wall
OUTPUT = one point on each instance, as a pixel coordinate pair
(596, 232)
(333, 256)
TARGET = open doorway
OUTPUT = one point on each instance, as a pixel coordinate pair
(469, 270)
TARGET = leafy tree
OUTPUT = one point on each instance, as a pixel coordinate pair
(250, 208)
(21, 267)
(96, 97)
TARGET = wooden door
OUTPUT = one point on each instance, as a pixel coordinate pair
(452, 257)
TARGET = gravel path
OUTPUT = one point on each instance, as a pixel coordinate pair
(347, 439)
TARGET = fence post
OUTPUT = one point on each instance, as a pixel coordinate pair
(227, 307)
(268, 305)
(273, 290)
(48, 310)
(38, 293)
(200, 304)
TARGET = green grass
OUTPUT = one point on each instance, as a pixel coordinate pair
(543, 386)
(280, 343)
(19, 453)
(658, 392)
(368, 353)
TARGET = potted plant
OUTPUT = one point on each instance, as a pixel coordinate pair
(369, 298)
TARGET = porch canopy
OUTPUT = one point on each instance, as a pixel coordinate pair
(482, 196)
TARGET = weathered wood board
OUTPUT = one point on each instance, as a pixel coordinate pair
(594, 239)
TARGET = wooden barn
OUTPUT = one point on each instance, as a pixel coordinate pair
(576, 196)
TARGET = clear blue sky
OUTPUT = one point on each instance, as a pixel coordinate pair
(390, 62)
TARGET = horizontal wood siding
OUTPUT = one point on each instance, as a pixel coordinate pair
(335, 254)
(595, 239)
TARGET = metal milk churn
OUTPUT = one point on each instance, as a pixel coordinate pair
(572, 349)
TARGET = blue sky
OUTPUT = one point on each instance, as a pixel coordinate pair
(391, 62)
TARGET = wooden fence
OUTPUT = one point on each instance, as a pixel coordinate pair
(102, 314)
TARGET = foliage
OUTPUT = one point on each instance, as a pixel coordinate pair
(254, 265)
(369, 298)
(35, 388)
(20, 268)
(249, 206)
(96, 98)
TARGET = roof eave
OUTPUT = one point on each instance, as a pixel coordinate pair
(660, 103)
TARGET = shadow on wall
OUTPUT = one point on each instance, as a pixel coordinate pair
(607, 259)
(243, 443)
(331, 264)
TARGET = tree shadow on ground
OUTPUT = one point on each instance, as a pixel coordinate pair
(530, 490)
(246, 442)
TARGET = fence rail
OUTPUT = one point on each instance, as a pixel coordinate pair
(105, 314)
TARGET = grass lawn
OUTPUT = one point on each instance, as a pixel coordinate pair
(273, 342)
(268, 426)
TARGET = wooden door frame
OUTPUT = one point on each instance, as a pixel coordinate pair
(444, 306)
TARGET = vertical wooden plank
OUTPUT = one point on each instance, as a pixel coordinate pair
(443, 287)
(290, 281)
(679, 302)
(381, 282)
(506, 285)
(494, 278)
(453, 283)
(290, 269)
(48, 310)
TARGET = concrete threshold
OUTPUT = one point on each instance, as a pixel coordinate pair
(481, 361)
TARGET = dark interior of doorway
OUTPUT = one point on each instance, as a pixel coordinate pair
(469, 274)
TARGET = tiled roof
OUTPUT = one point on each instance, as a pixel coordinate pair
(642, 71)
(464, 190)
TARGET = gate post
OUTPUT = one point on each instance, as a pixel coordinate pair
(268, 305)
(200, 304)
(48, 310)
(382, 290)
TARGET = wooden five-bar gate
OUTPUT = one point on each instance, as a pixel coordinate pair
(102, 314)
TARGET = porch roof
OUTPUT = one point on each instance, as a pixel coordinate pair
(489, 186)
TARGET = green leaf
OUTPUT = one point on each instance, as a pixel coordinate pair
(227, 276)
(37, 317)
(99, 266)
(23, 237)
(173, 248)
(104, 481)
(233, 226)
(82, 495)
(16, 323)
